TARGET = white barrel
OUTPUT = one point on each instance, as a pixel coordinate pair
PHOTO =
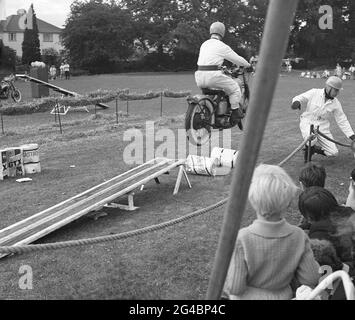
(31, 160)
(201, 165)
(225, 157)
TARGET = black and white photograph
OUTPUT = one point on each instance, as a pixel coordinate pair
(177, 155)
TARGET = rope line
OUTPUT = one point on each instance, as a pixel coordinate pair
(296, 150)
(67, 244)
(331, 140)
(20, 249)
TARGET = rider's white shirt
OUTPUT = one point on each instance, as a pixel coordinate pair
(318, 111)
(213, 52)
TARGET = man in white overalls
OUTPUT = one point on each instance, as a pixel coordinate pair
(320, 105)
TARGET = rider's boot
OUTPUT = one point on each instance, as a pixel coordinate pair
(236, 118)
(237, 114)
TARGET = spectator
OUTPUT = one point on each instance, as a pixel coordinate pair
(326, 74)
(61, 68)
(66, 68)
(53, 72)
(327, 219)
(338, 71)
(352, 72)
(312, 175)
(270, 253)
(350, 201)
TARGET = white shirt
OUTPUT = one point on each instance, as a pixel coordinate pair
(318, 110)
(214, 52)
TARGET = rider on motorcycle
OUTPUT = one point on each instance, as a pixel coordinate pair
(213, 52)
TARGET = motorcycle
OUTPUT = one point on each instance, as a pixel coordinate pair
(212, 109)
(7, 89)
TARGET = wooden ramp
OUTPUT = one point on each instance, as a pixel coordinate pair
(56, 88)
(53, 218)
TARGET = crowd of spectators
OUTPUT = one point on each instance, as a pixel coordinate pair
(274, 259)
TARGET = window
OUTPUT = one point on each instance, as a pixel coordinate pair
(12, 36)
(47, 37)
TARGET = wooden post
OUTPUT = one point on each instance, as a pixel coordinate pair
(274, 43)
(2, 124)
(60, 122)
(161, 104)
(309, 155)
(95, 109)
(116, 110)
(55, 111)
(127, 107)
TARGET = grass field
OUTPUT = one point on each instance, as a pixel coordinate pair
(174, 263)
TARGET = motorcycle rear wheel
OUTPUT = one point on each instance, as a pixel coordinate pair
(16, 95)
(198, 122)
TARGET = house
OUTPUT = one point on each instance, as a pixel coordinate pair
(13, 28)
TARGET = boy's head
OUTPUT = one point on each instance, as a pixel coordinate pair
(316, 203)
(312, 175)
(271, 191)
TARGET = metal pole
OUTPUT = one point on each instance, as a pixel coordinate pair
(161, 104)
(276, 32)
(116, 110)
(127, 107)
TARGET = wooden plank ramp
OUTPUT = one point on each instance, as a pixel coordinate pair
(56, 88)
(53, 218)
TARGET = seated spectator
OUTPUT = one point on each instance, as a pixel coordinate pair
(350, 201)
(311, 175)
(270, 253)
(327, 220)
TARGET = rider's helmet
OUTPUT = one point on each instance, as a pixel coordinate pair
(218, 28)
(334, 82)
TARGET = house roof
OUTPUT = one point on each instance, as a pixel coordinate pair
(11, 24)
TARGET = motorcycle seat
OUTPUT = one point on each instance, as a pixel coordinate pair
(212, 92)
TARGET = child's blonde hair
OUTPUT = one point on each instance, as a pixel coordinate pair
(271, 190)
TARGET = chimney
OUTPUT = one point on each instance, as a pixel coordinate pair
(2, 10)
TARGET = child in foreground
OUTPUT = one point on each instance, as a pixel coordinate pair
(270, 253)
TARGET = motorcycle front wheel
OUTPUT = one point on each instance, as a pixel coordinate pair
(16, 95)
(198, 122)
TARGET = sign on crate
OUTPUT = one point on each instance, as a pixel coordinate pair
(19, 161)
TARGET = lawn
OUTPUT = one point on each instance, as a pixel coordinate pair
(173, 263)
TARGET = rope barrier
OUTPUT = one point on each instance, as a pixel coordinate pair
(20, 249)
(125, 235)
(331, 140)
(296, 150)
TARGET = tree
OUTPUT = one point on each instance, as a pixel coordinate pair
(7, 57)
(323, 46)
(31, 46)
(98, 34)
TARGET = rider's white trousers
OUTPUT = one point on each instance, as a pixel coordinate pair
(218, 80)
(329, 147)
